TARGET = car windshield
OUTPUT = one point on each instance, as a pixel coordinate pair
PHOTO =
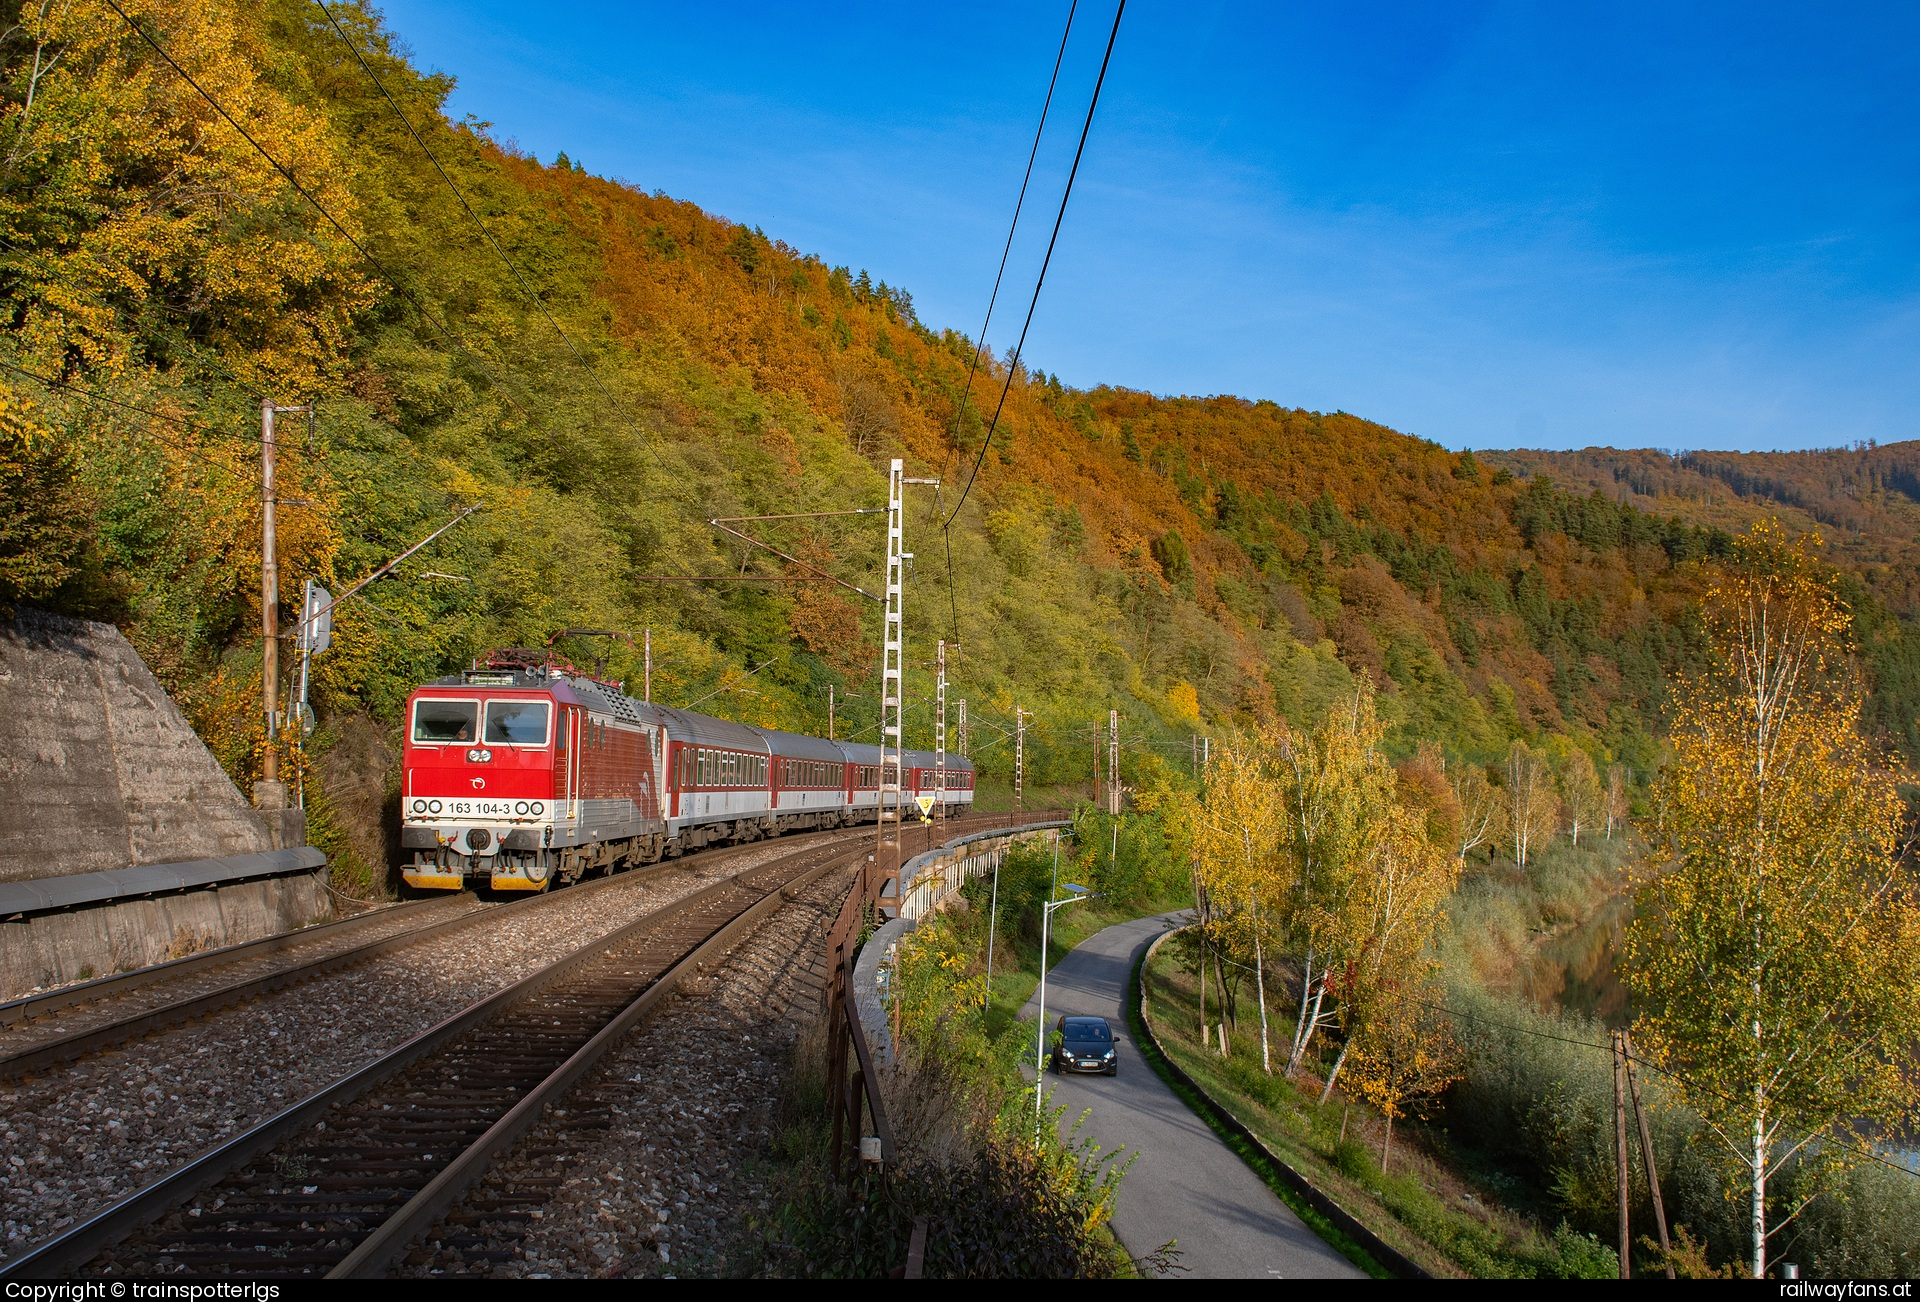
(444, 721)
(1086, 1031)
(516, 723)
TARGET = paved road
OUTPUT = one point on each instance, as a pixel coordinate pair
(1186, 1184)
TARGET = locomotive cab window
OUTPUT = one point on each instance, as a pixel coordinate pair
(517, 723)
(443, 722)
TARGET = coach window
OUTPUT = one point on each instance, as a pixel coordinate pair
(442, 722)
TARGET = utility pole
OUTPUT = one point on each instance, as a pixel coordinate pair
(1019, 757)
(940, 731)
(963, 727)
(1196, 757)
(1113, 762)
(829, 711)
(269, 602)
(887, 815)
(1620, 1148)
(647, 687)
(270, 797)
(1646, 1152)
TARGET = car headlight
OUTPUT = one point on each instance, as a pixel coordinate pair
(1110, 1053)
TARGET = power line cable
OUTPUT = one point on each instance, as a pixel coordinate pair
(184, 449)
(1646, 1062)
(93, 396)
(1019, 203)
(973, 362)
(444, 328)
(1013, 362)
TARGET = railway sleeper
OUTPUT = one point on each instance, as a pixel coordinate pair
(421, 1099)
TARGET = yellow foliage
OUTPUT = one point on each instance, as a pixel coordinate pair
(1772, 949)
(1184, 702)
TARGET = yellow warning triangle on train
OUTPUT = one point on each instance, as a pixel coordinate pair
(926, 805)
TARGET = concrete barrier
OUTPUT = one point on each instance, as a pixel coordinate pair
(98, 768)
(928, 881)
(57, 947)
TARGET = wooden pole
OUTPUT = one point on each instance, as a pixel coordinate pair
(1646, 1153)
(1620, 1149)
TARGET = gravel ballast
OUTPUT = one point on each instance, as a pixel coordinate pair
(651, 1164)
(78, 1137)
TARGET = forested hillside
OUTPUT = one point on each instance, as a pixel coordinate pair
(605, 369)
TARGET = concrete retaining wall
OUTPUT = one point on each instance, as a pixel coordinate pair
(98, 769)
(47, 949)
(100, 772)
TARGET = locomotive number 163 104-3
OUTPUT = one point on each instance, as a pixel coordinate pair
(491, 808)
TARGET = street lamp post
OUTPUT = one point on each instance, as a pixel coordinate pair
(1040, 1040)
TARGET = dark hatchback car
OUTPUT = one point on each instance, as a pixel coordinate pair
(1086, 1044)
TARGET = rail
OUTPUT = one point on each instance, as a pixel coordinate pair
(342, 1182)
(78, 1043)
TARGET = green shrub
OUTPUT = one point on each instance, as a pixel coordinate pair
(1134, 868)
(1003, 1212)
(1865, 1224)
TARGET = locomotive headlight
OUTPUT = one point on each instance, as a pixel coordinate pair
(433, 806)
(419, 806)
(520, 808)
(538, 808)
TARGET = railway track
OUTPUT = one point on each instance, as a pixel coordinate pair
(93, 1029)
(338, 1184)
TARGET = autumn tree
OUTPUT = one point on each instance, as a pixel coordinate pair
(1423, 787)
(1235, 831)
(1773, 948)
(1480, 808)
(44, 514)
(1528, 800)
(1337, 789)
(1616, 807)
(1404, 1055)
(1388, 922)
(1580, 795)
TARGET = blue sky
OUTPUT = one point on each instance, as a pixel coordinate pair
(1492, 225)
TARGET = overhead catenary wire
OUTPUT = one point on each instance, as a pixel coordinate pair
(1013, 360)
(732, 686)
